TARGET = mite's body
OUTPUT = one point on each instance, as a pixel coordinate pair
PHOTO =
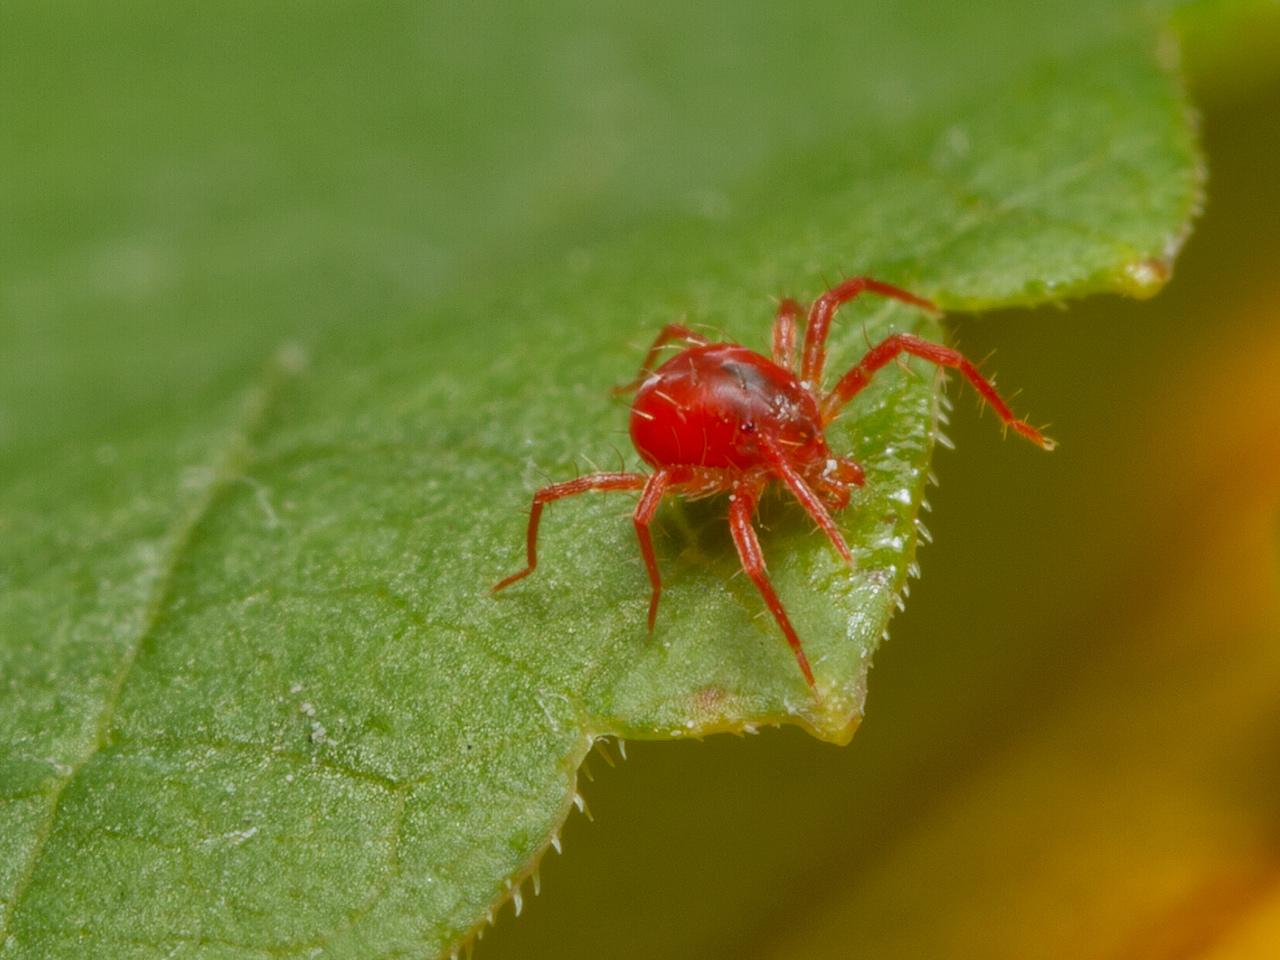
(720, 417)
(722, 407)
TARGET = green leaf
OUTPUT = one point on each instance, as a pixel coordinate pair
(293, 329)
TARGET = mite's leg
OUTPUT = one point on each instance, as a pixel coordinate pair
(884, 352)
(812, 505)
(557, 491)
(784, 333)
(824, 308)
(741, 509)
(645, 509)
(672, 331)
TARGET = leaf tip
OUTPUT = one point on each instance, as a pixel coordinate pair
(1144, 278)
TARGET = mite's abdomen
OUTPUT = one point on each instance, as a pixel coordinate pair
(709, 406)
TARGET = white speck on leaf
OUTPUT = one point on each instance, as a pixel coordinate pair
(234, 839)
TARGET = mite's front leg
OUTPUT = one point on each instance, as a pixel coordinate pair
(741, 509)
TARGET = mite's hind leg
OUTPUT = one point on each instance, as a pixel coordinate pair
(558, 491)
(741, 509)
(672, 331)
(645, 509)
(824, 308)
(784, 333)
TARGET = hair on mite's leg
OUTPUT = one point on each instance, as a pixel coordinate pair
(896, 344)
(784, 333)
(558, 491)
(742, 508)
(824, 308)
(672, 331)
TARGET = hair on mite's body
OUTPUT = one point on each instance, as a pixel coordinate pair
(719, 417)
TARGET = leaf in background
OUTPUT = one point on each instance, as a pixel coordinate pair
(280, 373)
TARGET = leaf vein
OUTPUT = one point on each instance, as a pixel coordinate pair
(228, 463)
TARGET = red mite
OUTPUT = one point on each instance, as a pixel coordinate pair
(718, 417)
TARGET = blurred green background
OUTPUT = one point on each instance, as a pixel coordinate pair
(1073, 738)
